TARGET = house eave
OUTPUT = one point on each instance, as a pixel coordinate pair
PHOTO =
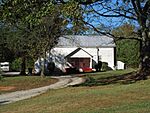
(59, 46)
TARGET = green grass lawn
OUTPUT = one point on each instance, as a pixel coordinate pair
(109, 77)
(98, 75)
(112, 98)
(10, 84)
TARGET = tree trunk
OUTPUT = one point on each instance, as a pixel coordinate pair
(144, 56)
(23, 66)
(43, 69)
(43, 65)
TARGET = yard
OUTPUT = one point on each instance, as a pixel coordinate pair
(10, 84)
(110, 98)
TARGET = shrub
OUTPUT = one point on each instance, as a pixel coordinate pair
(71, 71)
(1, 74)
(90, 81)
(16, 64)
(105, 67)
(30, 63)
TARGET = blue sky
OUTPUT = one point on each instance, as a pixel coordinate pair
(110, 22)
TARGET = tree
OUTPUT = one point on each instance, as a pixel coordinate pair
(5, 53)
(127, 50)
(12, 44)
(115, 12)
(40, 23)
(25, 17)
(106, 13)
(47, 34)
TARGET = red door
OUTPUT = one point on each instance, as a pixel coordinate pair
(80, 62)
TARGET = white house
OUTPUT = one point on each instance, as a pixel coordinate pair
(83, 51)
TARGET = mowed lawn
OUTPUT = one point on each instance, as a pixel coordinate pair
(98, 75)
(112, 98)
(10, 84)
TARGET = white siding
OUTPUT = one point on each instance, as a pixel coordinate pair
(107, 55)
(93, 52)
(120, 65)
(81, 54)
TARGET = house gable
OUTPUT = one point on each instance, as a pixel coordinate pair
(79, 53)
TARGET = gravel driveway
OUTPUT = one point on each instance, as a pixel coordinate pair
(64, 81)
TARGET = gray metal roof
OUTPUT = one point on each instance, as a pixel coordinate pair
(85, 41)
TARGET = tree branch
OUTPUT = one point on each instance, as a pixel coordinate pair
(95, 29)
(139, 6)
(116, 38)
(146, 7)
(135, 7)
(83, 2)
(87, 2)
(113, 15)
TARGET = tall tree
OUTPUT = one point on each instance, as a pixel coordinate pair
(5, 53)
(41, 23)
(26, 16)
(115, 12)
(127, 50)
(46, 35)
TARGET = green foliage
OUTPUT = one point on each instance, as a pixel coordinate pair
(30, 63)
(6, 54)
(38, 24)
(127, 49)
(126, 31)
(73, 14)
(105, 67)
(128, 52)
(90, 81)
(26, 11)
(15, 65)
(1, 77)
(35, 24)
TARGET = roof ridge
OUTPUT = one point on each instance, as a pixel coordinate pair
(86, 41)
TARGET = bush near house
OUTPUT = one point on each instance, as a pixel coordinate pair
(1, 74)
(71, 70)
(15, 65)
(105, 67)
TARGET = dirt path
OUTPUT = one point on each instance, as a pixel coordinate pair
(64, 81)
(7, 88)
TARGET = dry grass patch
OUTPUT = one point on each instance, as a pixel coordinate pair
(23, 83)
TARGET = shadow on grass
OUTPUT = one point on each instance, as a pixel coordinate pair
(128, 78)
